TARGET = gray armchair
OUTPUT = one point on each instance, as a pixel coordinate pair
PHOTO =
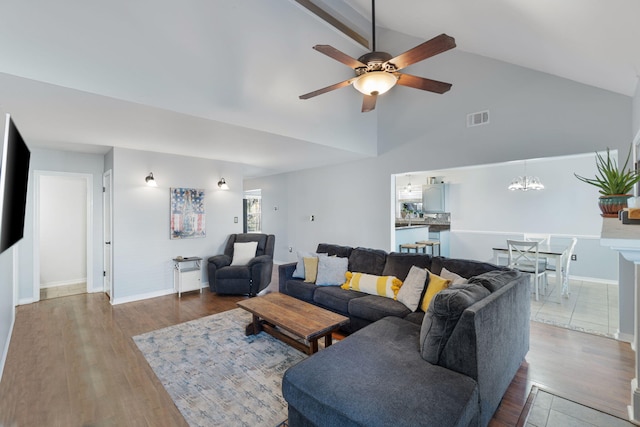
(248, 279)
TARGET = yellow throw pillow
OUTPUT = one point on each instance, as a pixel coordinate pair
(435, 285)
(385, 286)
(310, 269)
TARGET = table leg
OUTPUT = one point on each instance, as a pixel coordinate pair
(313, 346)
(253, 328)
(328, 340)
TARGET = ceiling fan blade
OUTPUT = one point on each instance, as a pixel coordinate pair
(422, 83)
(425, 50)
(369, 103)
(334, 53)
(327, 89)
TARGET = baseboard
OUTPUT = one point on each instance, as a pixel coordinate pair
(624, 337)
(63, 283)
(25, 301)
(5, 351)
(140, 297)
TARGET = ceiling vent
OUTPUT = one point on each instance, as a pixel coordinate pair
(477, 119)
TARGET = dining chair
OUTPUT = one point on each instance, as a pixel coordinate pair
(524, 257)
(565, 267)
(542, 239)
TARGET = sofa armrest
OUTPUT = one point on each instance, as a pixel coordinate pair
(490, 342)
(285, 272)
(261, 259)
(220, 260)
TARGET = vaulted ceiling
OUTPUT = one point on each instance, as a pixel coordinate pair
(221, 79)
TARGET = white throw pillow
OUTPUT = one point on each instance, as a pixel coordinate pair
(244, 252)
(412, 288)
(456, 279)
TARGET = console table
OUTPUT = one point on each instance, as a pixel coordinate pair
(186, 274)
(626, 240)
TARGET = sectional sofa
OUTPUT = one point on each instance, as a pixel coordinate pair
(448, 366)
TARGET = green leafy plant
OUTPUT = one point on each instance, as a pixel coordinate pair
(611, 180)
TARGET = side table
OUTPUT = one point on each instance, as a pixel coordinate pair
(186, 274)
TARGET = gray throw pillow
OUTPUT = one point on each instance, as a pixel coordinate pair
(442, 317)
(411, 291)
(332, 271)
(496, 279)
(299, 271)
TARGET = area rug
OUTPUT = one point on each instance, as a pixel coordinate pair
(216, 375)
(545, 409)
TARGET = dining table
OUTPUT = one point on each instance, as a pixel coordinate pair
(558, 252)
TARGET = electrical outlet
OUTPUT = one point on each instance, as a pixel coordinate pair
(574, 257)
(235, 219)
(290, 249)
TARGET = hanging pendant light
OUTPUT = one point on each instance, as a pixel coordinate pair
(525, 182)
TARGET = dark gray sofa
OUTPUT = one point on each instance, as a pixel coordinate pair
(378, 376)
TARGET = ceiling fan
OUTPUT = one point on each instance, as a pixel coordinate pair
(377, 72)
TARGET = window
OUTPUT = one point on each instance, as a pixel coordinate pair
(253, 211)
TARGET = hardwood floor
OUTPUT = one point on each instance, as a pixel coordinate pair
(72, 362)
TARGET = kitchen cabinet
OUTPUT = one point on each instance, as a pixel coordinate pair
(433, 198)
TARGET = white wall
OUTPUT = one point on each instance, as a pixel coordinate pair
(142, 249)
(636, 110)
(60, 161)
(484, 212)
(63, 230)
(533, 115)
(7, 305)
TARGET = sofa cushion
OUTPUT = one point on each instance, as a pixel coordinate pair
(332, 271)
(365, 260)
(335, 298)
(494, 280)
(234, 272)
(412, 288)
(384, 286)
(443, 315)
(376, 377)
(373, 308)
(416, 317)
(334, 250)
(462, 267)
(300, 289)
(398, 264)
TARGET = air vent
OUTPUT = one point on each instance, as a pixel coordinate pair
(477, 119)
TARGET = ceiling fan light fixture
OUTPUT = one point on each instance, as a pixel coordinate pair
(375, 82)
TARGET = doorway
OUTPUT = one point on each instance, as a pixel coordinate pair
(62, 234)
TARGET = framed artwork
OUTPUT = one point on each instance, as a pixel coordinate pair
(187, 213)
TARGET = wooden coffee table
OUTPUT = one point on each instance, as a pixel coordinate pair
(298, 318)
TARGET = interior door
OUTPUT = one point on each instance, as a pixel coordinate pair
(107, 203)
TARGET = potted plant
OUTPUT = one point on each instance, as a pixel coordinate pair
(615, 184)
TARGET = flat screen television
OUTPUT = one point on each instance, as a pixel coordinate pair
(14, 176)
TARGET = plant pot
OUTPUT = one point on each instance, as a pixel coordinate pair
(611, 204)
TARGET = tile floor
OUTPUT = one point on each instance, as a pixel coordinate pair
(552, 411)
(591, 307)
(62, 291)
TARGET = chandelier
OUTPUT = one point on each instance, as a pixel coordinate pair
(525, 182)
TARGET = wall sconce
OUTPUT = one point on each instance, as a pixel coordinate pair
(222, 184)
(151, 182)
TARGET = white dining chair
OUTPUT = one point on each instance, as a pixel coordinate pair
(565, 267)
(524, 257)
(543, 239)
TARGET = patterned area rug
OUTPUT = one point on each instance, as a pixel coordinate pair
(216, 375)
